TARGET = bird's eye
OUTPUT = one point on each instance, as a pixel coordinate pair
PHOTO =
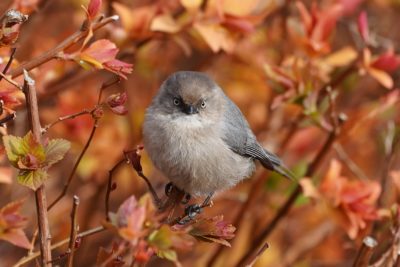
(177, 101)
(203, 104)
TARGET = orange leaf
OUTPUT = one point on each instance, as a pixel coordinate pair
(165, 23)
(382, 77)
(11, 224)
(216, 36)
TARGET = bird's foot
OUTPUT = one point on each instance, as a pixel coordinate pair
(191, 212)
(186, 199)
(168, 189)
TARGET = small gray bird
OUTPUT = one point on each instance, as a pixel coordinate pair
(199, 138)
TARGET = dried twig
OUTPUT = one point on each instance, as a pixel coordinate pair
(10, 60)
(365, 252)
(68, 117)
(111, 186)
(10, 81)
(41, 201)
(34, 255)
(78, 161)
(73, 232)
(51, 54)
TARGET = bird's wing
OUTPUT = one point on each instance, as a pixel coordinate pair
(239, 137)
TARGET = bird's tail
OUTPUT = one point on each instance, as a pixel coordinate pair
(275, 164)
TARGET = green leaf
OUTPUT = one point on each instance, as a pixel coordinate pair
(168, 254)
(56, 150)
(20, 150)
(33, 147)
(161, 238)
(32, 179)
(14, 148)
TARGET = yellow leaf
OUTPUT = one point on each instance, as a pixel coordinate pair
(191, 4)
(92, 61)
(238, 8)
(341, 58)
(165, 23)
(382, 77)
(216, 36)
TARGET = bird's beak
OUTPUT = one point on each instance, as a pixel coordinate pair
(189, 109)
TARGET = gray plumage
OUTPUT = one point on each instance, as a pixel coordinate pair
(199, 138)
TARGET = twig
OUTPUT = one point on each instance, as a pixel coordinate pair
(51, 54)
(74, 231)
(10, 81)
(41, 201)
(68, 117)
(260, 252)
(365, 252)
(133, 157)
(10, 60)
(349, 162)
(7, 118)
(157, 200)
(78, 161)
(110, 186)
(259, 241)
(36, 254)
(106, 85)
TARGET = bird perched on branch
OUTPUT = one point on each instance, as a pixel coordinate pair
(199, 138)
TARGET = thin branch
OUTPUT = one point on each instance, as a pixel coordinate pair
(73, 232)
(36, 254)
(10, 60)
(259, 242)
(365, 252)
(41, 201)
(258, 255)
(10, 81)
(8, 118)
(157, 200)
(106, 85)
(111, 187)
(344, 157)
(51, 54)
(68, 117)
(78, 161)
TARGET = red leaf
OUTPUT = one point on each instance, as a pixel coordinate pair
(213, 229)
(354, 200)
(118, 67)
(11, 224)
(94, 8)
(117, 102)
(130, 219)
(101, 54)
(363, 26)
(387, 62)
(238, 24)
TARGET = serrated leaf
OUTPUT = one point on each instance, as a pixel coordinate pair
(161, 238)
(32, 179)
(14, 148)
(56, 150)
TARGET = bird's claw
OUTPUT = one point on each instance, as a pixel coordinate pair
(186, 199)
(168, 189)
(191, 212)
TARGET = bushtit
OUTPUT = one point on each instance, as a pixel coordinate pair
(199, 138)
